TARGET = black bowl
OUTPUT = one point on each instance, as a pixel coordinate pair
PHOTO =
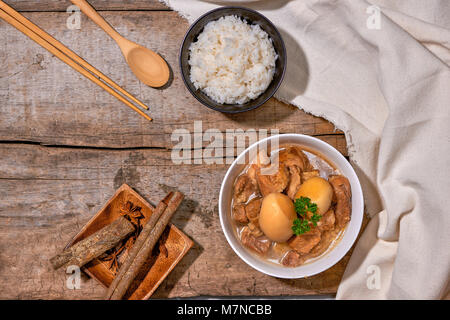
(251, 17)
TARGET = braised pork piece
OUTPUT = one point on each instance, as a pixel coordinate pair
(296, 212)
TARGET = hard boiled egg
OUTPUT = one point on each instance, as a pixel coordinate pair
(319, 191)
(277, 217)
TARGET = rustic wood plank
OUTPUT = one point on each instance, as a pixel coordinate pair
(62, 5)
(50, 193)
(77, 112)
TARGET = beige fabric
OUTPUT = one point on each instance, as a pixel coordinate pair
(389, 91)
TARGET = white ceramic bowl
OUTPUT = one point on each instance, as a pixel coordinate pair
(324, 262)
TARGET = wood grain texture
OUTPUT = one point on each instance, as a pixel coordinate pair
(61, 5)
(77, 112)
(42, 209)
(66, 146)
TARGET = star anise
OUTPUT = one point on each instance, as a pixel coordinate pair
(113, 258)
(132, 213)
(130, 241)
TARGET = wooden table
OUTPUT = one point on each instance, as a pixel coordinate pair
(66, 146)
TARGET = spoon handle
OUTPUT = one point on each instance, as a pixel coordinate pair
(94, 16)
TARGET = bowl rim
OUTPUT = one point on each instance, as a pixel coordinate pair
(321, 264)
(275, 89)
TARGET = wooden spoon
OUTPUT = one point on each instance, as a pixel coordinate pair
(147, 65)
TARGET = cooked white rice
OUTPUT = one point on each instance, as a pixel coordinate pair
(232, 61)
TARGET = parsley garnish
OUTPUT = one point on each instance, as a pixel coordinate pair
(303, 205)
(300, 226)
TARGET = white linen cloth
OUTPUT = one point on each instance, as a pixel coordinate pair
(386, 83)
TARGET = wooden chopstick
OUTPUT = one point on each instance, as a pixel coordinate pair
(23, 27)
(44, 35)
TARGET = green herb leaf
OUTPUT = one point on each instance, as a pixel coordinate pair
(315, 218)
(303, 205)
(300, 226)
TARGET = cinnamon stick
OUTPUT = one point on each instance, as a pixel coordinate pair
(139, 242)
(93, 246)
(129, 274)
